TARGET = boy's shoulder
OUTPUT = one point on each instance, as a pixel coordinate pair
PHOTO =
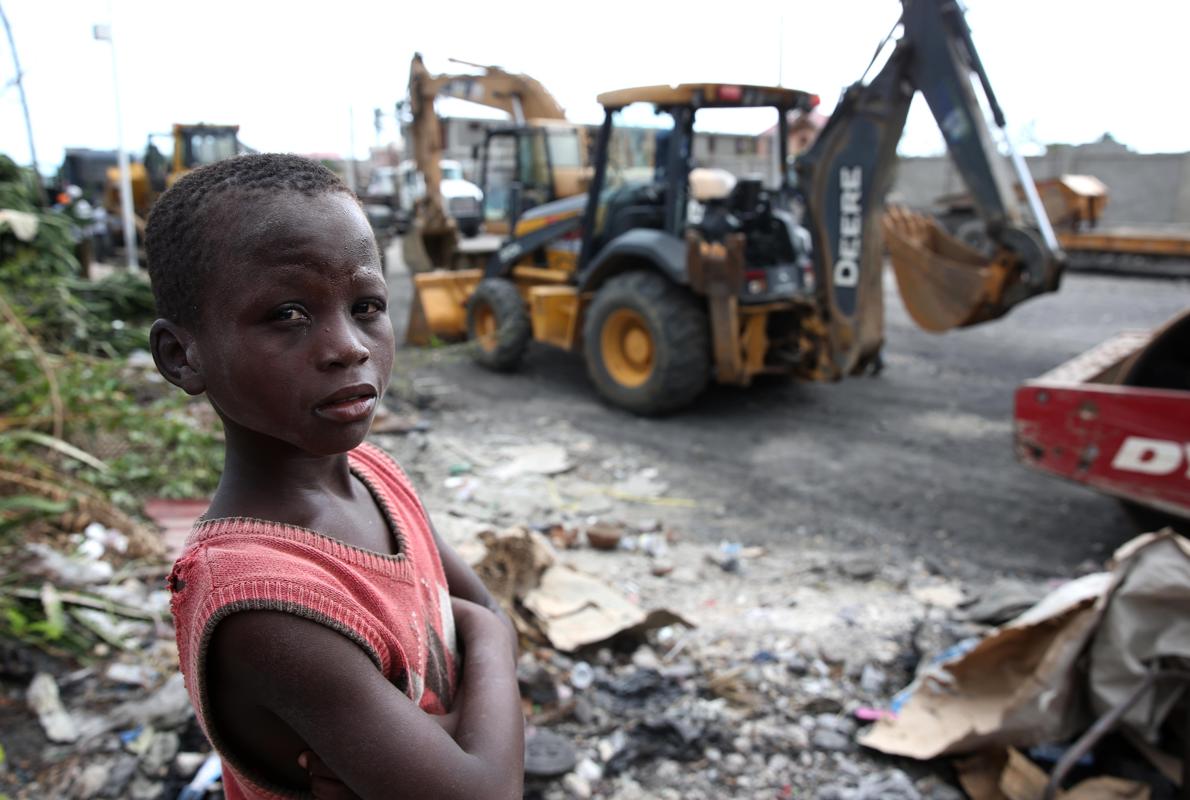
(387, 478)
(382, 464)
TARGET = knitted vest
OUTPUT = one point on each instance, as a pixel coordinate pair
(395, 607)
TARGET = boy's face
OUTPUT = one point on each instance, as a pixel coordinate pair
(294, 338)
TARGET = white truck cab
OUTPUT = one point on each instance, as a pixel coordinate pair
(462, 198)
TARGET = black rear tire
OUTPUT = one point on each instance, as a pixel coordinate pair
(498, 324)
(679, 366)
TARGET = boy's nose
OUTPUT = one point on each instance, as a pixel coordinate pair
(342, 346)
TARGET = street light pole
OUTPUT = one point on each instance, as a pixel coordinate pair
(104, 34)
(21, 90)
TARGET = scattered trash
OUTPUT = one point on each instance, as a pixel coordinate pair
(43, 700)
(130, 674)
(532, 459)
(604, 536)
(554, 602)
(77, 570)
(547, 754)
(1083, 651)
(1006, 774)
(727, 557)
(208, 774)
(1002, 601)
(581, 675)
(763, 699)
(940, 595)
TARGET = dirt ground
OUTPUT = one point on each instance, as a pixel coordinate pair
(916, 463)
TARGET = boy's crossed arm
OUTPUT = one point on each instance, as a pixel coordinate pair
(373, 738)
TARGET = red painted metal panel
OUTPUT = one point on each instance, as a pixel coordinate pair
(1129, 442)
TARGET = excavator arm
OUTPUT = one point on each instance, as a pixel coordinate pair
(847, 173)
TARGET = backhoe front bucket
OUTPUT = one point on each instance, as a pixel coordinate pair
(439, 305)
(944, 284)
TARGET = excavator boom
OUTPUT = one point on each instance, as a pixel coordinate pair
(848, 171)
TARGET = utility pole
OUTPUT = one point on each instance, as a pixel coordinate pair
(20, 79)
(352, 167)
(781, 50)
(103, 33)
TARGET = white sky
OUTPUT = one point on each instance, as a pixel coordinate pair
(290, 73)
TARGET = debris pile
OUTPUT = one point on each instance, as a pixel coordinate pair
(664, 654)
(92, 702)
(738, 671)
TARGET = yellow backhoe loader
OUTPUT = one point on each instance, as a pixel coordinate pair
(666, 276)
(540, 157)
(193, 146)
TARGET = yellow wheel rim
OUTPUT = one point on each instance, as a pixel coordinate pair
(484, 320)
(627, 345)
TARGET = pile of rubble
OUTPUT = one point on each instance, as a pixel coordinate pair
(115, 720)
(656, 662)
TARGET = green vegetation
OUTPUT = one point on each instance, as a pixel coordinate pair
(88, 430)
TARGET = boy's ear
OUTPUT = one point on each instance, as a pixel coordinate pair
(176, 356)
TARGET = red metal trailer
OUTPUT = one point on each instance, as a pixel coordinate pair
(1116, 418)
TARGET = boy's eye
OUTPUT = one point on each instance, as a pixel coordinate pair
(289, 314)
(368, 307)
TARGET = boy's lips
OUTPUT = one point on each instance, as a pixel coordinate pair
(350, 404)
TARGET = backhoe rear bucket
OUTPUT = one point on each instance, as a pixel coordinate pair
(944, 284)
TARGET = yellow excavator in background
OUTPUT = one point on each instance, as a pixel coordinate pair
(545, 156)
(193, 146)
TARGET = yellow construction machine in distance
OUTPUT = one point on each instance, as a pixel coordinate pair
(193, 145)
(544, 155)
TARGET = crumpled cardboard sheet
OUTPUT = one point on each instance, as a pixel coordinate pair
(570, 609)
(1023, 683)
(1146, 622)
(1009, 775)
(1015, 686)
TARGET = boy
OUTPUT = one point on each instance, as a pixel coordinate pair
(313, 617)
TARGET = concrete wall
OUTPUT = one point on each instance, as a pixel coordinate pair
(1145, 189)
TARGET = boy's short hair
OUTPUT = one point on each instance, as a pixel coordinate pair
(182, 237)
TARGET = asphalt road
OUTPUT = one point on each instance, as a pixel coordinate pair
(915, 462)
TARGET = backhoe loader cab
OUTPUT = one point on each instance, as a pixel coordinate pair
(523, 167)
(658, 177)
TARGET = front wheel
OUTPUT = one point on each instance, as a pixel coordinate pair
(498, 324)
(647, 343)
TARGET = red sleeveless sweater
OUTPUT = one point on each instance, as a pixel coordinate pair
(395, 607)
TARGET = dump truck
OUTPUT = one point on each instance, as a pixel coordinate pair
(666, 276)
